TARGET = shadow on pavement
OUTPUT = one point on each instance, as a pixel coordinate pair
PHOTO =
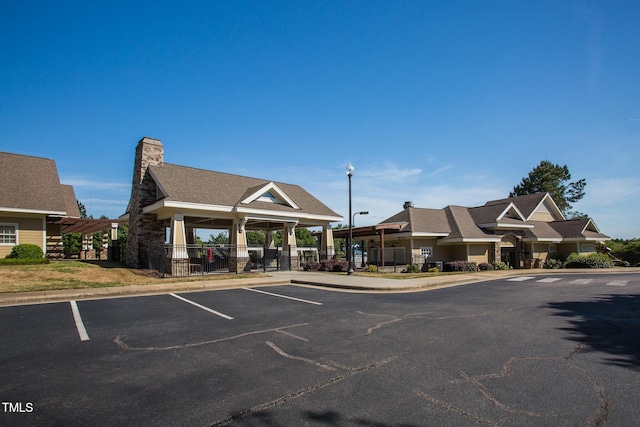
(610, 324)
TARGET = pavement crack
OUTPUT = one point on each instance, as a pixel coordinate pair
(456, 409)
(598, 418)
(495, 402)
(118, 340)
(428, 316)
(300, 358)
(283, 399)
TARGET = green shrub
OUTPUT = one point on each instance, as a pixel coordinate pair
(412, 268)
(371, 268)
(26, 251)
(553, 263)
(433, 270)
(499, 265)
(595, 260)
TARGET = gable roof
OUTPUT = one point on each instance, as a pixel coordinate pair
(421, 220)
(578, 229)
(31, 185)
(458, 224)
(464, 227)
(529, 204)
(182, 184)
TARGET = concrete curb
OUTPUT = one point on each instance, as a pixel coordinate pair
(326, 280)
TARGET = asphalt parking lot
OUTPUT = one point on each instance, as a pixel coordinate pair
(544, 350)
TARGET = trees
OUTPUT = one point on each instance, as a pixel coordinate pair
(553, 179)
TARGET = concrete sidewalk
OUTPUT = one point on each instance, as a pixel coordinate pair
(330, 280)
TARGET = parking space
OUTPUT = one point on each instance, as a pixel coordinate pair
(291, 355)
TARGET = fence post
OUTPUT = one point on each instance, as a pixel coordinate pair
(264, 258)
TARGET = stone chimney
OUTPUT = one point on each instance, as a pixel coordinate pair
(145, 230)
(407, 205)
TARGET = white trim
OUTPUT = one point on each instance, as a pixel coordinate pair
(468, 240)
(507, 209)
(33, 211)
(543, 239)
(186, 206)
(505, 226)
(301, 215)
(270, 219)
(44, 236)
(270, 186)
(554, 206)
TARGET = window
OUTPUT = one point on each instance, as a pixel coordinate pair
(587, 247)
(552, 249)
(8, 234)
(426, 251)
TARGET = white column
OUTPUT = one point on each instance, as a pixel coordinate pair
(178, 237)
(326, 242)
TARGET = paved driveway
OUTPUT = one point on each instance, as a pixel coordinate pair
(543, 350)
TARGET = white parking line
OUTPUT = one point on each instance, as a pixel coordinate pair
(581, 281)
(217, 313)
(520, 279)
(617, 283)
(549, 280)
(79, 325)
(283, 296)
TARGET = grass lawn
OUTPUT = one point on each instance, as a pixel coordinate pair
(79, 275)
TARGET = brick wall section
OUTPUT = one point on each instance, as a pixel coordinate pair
(146, 234)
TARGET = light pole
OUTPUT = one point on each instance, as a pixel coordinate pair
(353, 222)
(350, 169)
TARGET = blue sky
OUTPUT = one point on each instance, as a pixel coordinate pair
(441, 103)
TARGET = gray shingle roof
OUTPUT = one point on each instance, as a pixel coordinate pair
(31, 184)
(191, 185)
(463, 223)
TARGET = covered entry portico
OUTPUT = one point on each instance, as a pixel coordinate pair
(187, 257)
(169, 202)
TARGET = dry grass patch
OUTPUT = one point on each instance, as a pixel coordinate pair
(79, 275)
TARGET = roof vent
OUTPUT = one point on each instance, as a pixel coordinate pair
(407, 205)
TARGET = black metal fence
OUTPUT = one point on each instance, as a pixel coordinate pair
(203, 259)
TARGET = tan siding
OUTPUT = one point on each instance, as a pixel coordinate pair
(542, 216)
(458, 253)
(479, 253)
(30, 230)
(540, 251)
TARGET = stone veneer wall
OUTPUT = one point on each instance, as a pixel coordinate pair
(146, 233)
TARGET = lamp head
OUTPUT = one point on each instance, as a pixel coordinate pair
(350, 169)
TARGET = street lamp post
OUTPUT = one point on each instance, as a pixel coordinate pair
(350, 169)
(353, 222)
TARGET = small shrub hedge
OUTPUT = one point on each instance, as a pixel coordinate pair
(595, 260)
(23, 261)
(460, 266)
(371, 268)
(326, 265)
(26, 251)
(499, 265)
(485, 266)
(412, 268)
(553, 263)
